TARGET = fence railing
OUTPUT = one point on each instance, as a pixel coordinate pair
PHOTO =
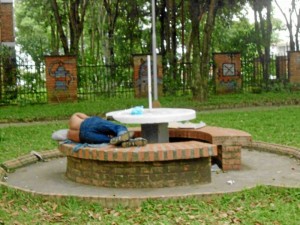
(253, 74)
(96, 81)
(25, 83)
(22, 83)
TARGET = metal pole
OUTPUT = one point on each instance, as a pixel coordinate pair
(154, 58)
(149, 81)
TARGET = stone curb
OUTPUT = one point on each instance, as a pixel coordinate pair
(33, 157)
(274, 148)
(136, 202)
(3, 174)
(126, 201)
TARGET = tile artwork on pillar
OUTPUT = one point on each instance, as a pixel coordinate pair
(62, 77)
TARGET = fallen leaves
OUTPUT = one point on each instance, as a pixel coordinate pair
(248, 207)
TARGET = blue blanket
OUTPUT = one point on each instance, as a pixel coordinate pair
(83, 145)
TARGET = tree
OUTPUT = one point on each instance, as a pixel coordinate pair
(201, 50)
(236, 36)
(263, 28)
(75, 14)
(196, 15)
(33, 27)
(112, 9)
(168, 10)
(110, 31)
(293, 13)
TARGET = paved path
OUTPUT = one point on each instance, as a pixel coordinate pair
(21, 124)
(258, 168)
(47, 178)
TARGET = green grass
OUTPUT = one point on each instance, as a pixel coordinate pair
(100, 107)
(274, 124)
(19, 140)
(279, 125)
(261, 205)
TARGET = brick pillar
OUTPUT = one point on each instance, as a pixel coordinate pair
(61, 78)
(229, 157)
(294, 67)
(140, 75)
(6, 22)
(227, 72)
(8, 59)
(281, 67)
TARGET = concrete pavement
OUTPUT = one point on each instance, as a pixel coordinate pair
(258, 168)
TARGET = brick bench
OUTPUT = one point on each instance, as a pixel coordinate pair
(151, 166)
(229, 142)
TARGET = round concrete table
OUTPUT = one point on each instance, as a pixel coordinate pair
(154, 122)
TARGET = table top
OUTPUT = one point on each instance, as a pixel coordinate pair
(154, 115)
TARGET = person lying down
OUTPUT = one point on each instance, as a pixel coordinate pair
(95, 130)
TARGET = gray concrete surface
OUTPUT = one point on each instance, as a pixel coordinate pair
(257, 168)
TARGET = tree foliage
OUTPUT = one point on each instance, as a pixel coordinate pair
(33, 29)
(263, 28)
(293, 29)
(111, 31)
(74, 12)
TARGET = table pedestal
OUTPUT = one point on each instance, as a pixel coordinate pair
(155, 133)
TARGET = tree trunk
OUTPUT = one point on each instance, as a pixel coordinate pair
(173, 58)
(76, 20)
(162, 20)
(289, 25)
(200, 67)
(202, 94)
(76, 14)
(297, 30)
(59, 24)
(112, 19)
(267, 41)
(263, 28)
(195, 41)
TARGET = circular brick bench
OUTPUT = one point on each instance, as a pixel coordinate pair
(228, 140)
(151, 166)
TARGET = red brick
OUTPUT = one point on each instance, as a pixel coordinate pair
(151, 155)
(110, 156)
(6, 22)
(69, 63)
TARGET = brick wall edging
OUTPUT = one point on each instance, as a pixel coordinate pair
(11, 165)
(275, 148)
(149, 153)
(22, 161)
(25, 160)
(136, 202)
(112, 202)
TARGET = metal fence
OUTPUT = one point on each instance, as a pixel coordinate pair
(253, 76)
(96, 81)
(22, 82)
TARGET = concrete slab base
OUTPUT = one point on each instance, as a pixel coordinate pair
(258, 168)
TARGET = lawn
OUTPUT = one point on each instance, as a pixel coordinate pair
(261, 205)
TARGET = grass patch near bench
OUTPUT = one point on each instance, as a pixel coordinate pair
(103, 105)
(20, 140)
(280, 125)
(275, 125)
(261, 205)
